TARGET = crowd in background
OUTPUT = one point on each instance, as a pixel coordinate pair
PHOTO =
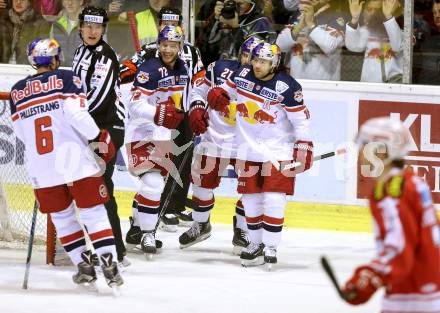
(351, 40)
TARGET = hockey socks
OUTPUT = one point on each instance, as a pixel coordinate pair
(98, 227)
(70, 233)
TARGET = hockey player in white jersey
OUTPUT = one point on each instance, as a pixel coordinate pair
(154, 110)
(50, 115)
(272, 130)
(216, 150)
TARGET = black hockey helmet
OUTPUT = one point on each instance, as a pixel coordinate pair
(167, 14)
(93, 14)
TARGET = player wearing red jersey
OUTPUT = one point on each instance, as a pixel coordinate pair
(406, 227)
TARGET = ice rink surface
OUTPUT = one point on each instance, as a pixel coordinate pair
(203, 278)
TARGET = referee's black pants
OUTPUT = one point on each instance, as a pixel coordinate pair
(117, 136)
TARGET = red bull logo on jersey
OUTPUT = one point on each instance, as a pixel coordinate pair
(242, 110)
(263, 117)
(35, 87)
(225, 112)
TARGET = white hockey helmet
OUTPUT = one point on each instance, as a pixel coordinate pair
(269, 52)
(170, 33)
(393, 133)
(42, 51)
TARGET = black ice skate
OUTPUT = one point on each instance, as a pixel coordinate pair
(185, 218)
(134, 235)
(270, 257)
(240, 239)
(86, 275)
(252, 255)
(197, 233)
(111, 273)
(148, 244)
(169, 223)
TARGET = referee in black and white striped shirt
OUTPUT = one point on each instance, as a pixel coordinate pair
(96, 64)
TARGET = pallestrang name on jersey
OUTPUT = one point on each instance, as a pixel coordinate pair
(42, 108)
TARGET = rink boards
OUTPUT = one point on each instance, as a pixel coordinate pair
(330, 195)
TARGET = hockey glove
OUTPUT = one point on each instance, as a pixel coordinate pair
(218, 99)
(362, 285)
(167, 115)
(198, 118)
(103, 146)
(303, 153)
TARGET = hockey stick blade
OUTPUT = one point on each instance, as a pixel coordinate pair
(329, 271)
(316, 158)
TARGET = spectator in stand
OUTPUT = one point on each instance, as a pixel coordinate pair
(234, 21)
(47, 7)
(279, 11)
(314, 41)
(204, 19)
(429, 72)
(147, 21)
(20, 25)
(380, 37)
(117, 7)
(4, 5)
(66, 29)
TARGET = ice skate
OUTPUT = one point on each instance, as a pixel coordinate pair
(197, 233)
(185, 218)
(148, 244)
(252, 255)
(138, 248)
(169, 223)
(86, 275)
(240, 239)
(270, 257)
(111, 273)
(133, 236)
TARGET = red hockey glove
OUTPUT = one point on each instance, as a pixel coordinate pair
(218, 99)
(362, 285)
(167, 115)
(103, 146)
(303, 153)
(198, 118)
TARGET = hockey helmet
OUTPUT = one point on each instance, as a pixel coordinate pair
(249, 44)
(170, 33)
(269, 52)
(93, 14)
(170, 14)
(393, 133)
(42, 51)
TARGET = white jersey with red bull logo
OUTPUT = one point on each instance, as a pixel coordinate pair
(154, 83)
(383, 58)
(270, 115)
(219, 139)
(50, 116)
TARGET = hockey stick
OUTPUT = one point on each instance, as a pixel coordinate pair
(329, 271)
(174, 184)
(30, 246)
(132, 21)
(316, 158)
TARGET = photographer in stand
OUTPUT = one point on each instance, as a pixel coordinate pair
(234, 21)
